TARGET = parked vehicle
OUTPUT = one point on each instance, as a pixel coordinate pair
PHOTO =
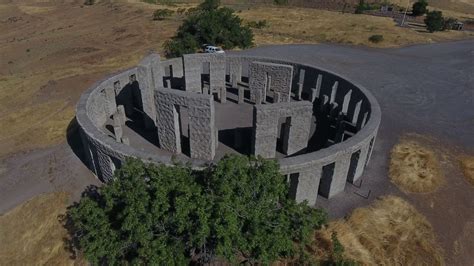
(210, 49)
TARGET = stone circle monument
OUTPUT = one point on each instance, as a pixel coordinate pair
(320, 126)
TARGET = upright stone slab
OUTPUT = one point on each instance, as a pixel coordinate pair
(235, 69)
(276, 98)
(126, 141)
(241, 95)
(347, 100)
(340, 174)
(319, 81)
(332, 99)
(121, 114)
(149, 71)
(280, 75)
(308, 184)
(110, 97)
(300, 84)
(265, 127)
(202, 135)
(223, 95)
(193, 64)
(355, 116)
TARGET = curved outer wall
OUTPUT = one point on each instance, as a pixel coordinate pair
(330, 167)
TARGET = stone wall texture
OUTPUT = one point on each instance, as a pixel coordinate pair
(324, 172)
(265, 79)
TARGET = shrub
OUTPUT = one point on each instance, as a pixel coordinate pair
(363, 6)
(258, 24)
(161, 14)
(376, 38)
(419, 8)
(449, 23)
(166, 215)
(280, 2)
(434, 21)
(89, 2)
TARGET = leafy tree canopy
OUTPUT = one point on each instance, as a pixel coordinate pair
(209, 24)
(237, 210)
(434, 21)
(419, 8)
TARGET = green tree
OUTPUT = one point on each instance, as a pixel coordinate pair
(253, 214)
(171, 214)
(434, 21)
(419, 8)
(209, 24)
(150, 215)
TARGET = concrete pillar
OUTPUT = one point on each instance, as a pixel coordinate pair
(371, 148)
(121, 114)
(334, 92)
(361, 163)
(241, 95)
(126, 141)
(341, 170)
(146, 86)
(308, 185)
(324, 102)
(223, 95)
(118, 132)
(117, 87)
(111, 103)
(300, 84)
(361, 122)
(355, 116)
(318, 85)
(299, 91)
(276, 98)
(313, 95)
(340, 128)
(258, 97)
(234, 80)
(168, 83)
(347, 100)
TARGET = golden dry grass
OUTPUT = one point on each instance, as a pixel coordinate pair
(467, 166)
(59, 43)
(304, 25)
(389, 232)
(32, 233)
(414, 167)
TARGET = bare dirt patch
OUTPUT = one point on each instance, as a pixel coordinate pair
(389, 232)
(32, 233)
(467, 166)
(414, 167)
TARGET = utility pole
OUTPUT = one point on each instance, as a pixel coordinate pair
(405, 14)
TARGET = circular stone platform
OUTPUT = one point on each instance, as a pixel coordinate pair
(319, 126)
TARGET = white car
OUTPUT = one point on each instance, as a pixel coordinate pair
(213, 50)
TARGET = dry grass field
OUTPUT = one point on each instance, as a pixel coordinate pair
(32, 233)
(467, 166)
(389, 232)
(414, 167)
(302, 25)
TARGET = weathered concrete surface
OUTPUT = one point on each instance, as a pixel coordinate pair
(193, 68)
(268, 78)
(296, 128)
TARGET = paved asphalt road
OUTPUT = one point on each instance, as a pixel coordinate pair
(424, 89)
